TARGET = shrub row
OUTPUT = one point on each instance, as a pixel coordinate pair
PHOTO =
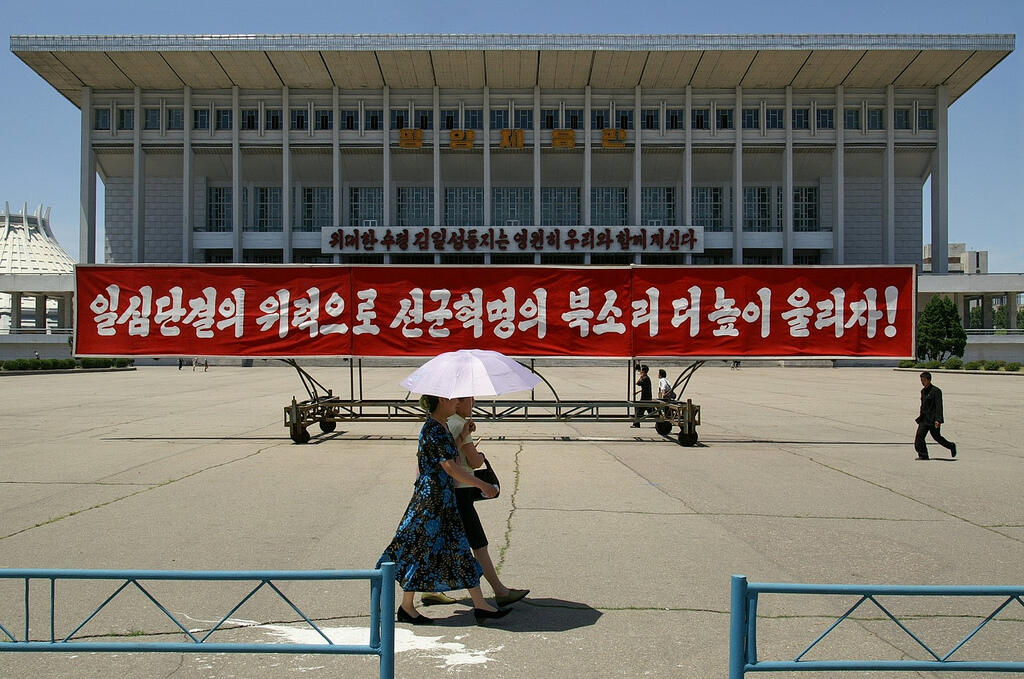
(956, 363)
(64, 363)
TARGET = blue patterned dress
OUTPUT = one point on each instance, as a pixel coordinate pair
(430, 549)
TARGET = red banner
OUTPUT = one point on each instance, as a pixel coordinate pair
(291, 311)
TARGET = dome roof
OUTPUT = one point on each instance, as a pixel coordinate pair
(27, 245)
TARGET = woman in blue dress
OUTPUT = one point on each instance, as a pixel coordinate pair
(430, 550)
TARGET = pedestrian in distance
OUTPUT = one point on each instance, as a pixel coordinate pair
(430, 550)
(665, 391)
(929, 420)
(462, 426)
(644, 382)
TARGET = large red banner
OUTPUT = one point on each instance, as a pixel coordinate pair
(324, 310)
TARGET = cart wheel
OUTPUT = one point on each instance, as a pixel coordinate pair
(300, 434)
(663, 427)
(327, 426)
(687, 439)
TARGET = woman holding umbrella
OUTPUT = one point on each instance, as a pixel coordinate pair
(430, 550)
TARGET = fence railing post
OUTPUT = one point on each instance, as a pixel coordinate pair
(738, 627)
(387, 621)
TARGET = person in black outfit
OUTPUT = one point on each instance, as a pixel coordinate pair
(930, 418)
(645, 392)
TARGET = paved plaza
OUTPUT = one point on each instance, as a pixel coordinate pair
(626, 539)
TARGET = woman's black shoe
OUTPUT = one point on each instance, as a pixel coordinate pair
(420, 619)
(480, 614)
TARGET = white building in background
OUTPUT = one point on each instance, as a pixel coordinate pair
(961, 260)
(549, 149)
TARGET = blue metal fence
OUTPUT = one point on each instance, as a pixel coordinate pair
(382, 614)
(743, 629)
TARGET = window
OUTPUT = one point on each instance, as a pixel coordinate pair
(573, 119)
(151, 119)
(262, 256)
(126, 119)
(876, 119)
(700, 119)
(399, 118)
(751, 119)
(299, 119)
(851, 118)
(609, 206)
(175, 119)
(101, 119)
(317, 208)
(222, 118)
(901, 119)
(826, 119)
(624, 118)
(658, 205)
(323, 118)
(805, 208)
(775, 118)
(414, 206)
(499, 118)
(250, 118)
(549, 119)
(511, 205)
(523, 119)
(218, 208)
(559, 206)
(757, 208)
(650, 119)
(925, 119)
(801, 119)
(806, 257)
(349, 120)
(201, 119)
(708, 210)
(598, 118)
(424, 118)
(674, 119)
(365, 205)
(464, 206)
(450, 119)
(723, 120)
(268, 208)
(474, 118)
(272, 119)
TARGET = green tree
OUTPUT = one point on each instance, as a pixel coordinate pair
(940, 333)
(975, 319)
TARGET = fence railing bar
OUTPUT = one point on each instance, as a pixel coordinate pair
(9, 635)
(904, 628)
(835, 624)
(296, 609)
(93, 614)
(375, 587)
(978, 628)
(26, 608)
(232, 611)
(53, 614)
(165, 611)
(752, 628)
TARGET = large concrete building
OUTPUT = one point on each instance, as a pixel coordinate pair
(778, 149)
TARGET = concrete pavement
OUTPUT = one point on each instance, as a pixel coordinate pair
(626, 539)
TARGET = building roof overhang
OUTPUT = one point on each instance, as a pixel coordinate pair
(505, 61)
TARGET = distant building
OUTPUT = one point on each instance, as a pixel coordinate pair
(961, 260)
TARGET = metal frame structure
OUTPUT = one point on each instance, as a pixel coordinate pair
(324, 409)
(743, 628)
(382, 617)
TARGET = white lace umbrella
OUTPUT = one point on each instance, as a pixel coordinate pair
(470, 372)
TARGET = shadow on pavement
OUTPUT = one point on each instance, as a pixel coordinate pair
(530, 615)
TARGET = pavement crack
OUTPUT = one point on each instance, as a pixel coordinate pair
(511, 513)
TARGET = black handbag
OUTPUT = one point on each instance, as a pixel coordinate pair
(486, 475)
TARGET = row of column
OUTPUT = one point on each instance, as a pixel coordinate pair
(64, 315)
(938, 171)
(987, 313)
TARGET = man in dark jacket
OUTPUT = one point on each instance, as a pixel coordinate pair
(930, 418)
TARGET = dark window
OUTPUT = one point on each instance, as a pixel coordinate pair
(223, 118)
(425, 118)
(751, 119)
(625, 119)
(851, 119)
(299, 119)
(201, 119)
(175, 119)
(775, 119)
(925, 119)
(151, 119)
(272, 119)
(826, 119)
(449, 119)
(674, 119)
(723, 120)
(876, 119)
(573, 119)
(250, 118)
(126, 119)
(523, 119)
(324, 118)
(374, 120)
(101, 119)
(801, 119)
(349, 120)
(598, 119)
(651, 119)
(700, 119)
(474, 118)
(902, 119)
(549, 119)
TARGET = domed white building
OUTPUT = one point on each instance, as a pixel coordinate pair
(33, 266)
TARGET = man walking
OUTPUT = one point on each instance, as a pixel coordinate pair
(930, 418)
(645, 393)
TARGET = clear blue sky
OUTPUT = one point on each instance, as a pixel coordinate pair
(40, 129)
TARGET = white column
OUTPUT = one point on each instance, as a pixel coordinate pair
(787, 182)
(138, 184)
(1011, 310)
(986, 301)
(40, 320)
(438, 200)
(637, 167)
(536, 155)
(940, 186)
(839, 174)
(587, 164)
(737, 180)
(236, 181)
(338, 201)
(688, 164)
(87, 186)
(487, 159)
(889, 181)
(286, 178)
(187, 189)
(15, 310)
(386, 123)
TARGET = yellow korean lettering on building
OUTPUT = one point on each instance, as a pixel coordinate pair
(563, 139)
(613, 138)
(511, 139)
(461, 139)
(410, 138)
